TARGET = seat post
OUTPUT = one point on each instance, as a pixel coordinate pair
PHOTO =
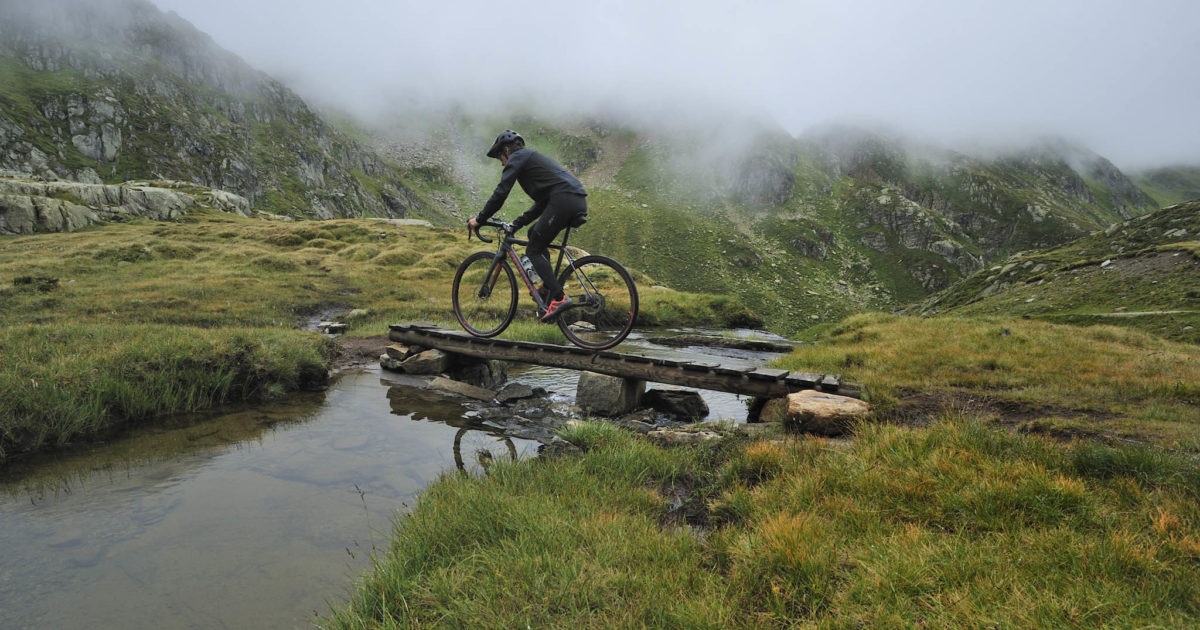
(562, 251)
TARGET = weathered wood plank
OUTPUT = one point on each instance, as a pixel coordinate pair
(768, 374)
(751, 381)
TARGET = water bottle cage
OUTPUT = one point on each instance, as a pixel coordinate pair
(527, 265)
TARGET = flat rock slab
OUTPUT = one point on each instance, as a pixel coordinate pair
(463, 389)
(514, 391)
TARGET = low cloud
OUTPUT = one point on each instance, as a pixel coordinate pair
(1119, 77)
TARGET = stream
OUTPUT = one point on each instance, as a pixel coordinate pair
(255, 516)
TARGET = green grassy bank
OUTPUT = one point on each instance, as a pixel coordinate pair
(958, 525)
(123, 323)
(1103, 382)
(1016, 474)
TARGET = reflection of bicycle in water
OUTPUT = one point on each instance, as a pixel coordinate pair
(483, 456)
(604, 299)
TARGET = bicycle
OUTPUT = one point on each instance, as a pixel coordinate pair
(605, 299)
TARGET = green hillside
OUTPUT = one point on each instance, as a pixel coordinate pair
(1143, 273)
(801, 230)
(1170, 184)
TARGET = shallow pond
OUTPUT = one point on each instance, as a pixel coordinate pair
(253, 517)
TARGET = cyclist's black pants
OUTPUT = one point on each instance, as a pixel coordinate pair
(559, 212)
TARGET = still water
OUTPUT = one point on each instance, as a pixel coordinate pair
(251, 518)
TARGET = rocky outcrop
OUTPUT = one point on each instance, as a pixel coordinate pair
(128, 92)
(28, 206)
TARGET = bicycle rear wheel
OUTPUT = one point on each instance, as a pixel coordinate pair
(485, 298)
(606, 303)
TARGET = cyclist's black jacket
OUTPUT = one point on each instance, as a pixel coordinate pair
(540, 177)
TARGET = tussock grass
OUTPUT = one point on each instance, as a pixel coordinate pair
(232, 282)
(1099, 381)
(960, 525)
(76, 381)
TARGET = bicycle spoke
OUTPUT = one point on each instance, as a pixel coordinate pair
(485, 298)
(606, 303)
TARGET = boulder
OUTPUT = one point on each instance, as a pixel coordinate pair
(514, 391)
(489, 374)
(608, 395)
(427, 362)
(388, 363)
(400, 352)
(815, 412)
(681, 404)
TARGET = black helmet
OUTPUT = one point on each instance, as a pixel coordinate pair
(508, 135)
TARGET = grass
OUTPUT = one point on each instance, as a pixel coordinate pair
(1086, 516)
(84, 381)
(127, 319)
(1100, 381)
(960, 525)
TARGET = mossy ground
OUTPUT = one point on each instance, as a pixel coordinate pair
(117, 323)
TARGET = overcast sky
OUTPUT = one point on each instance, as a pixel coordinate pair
(1121, 76)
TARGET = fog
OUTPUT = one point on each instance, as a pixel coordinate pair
(1120, 77)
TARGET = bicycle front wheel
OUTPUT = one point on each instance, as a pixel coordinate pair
(606, 303)
(485, 296)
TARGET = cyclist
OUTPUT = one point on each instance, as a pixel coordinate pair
(558, 200)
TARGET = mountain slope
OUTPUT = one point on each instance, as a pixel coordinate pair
(1143, 273)
(1171, 184)
(800, 229)
(115, 90)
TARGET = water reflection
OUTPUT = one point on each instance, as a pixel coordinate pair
(160, 453)
(252, 518)
(255, 517)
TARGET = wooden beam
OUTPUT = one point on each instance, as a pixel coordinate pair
(749, 381)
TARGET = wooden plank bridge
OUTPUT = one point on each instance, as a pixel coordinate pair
(749, 381)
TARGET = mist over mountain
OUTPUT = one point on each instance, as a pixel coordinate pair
(802, 227)
(1110, 75)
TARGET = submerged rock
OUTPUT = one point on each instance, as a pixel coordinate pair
(681, 404)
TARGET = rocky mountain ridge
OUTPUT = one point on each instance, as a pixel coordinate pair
(116, 90)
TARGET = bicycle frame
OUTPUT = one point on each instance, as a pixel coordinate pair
(507, 250)
(602, 294)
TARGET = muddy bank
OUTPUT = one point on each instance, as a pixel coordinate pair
(353, 352)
